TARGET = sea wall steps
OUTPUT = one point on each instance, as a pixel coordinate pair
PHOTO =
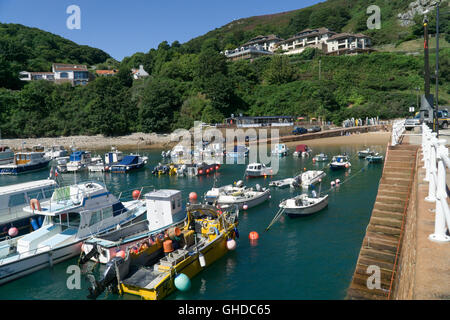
(383, 239)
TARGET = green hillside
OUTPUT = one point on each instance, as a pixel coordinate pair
(337, 15)
(32, 49)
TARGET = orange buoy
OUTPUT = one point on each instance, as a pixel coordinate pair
(174, 232)
(35, 205)
(136, 194)
(193, 197)
(253, 235)
(168, 246)
(304, 169)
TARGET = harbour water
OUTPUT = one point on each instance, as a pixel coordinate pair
(304, 258)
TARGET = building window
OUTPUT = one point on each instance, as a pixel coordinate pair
(80, 75)
(64, 75)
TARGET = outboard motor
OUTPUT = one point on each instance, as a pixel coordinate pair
(109, 278)
(258, 187)
(239, 184)
(86, 257)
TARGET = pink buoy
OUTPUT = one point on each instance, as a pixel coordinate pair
(245, 207)
(346, 165)
(12, 232)
(332, 183)
(338, 181)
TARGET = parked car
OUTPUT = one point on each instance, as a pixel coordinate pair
(299, 130)
(314, 129)
(412, 122)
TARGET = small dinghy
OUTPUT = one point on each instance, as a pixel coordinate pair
(303, 205)
(280, 149)
(255, 170)
(376, 158)
(365, 153)
(310, 177)
(283, 183)
(321, 157)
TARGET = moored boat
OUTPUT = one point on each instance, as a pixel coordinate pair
(6, 155)
(340, 162)
(129, 163)
(78, 161)
(310, 177)
(303, 205)
(280, 149)
(72, 214)
(25, 162)
(365, 153)
(238, 152)
(165, 214)
(321, 157)
(209, 235)
(238, 195)
(13, 198)
(302, 150)
(55, 151)
(376, 158)
(255, 170)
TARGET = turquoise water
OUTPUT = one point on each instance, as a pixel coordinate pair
(304, 258)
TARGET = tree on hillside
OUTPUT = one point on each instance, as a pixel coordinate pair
(279, 70)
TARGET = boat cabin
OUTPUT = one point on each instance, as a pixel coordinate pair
(27, 157)
(15, 197)
(301, 148)
(80, 156)
(113, 157)
(162, 206)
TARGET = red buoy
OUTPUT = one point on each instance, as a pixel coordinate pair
(136, 194)
(121, 254)
(253, 235)
(193, 197)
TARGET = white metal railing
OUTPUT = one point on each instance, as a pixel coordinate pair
(398, 127)
(436, 160)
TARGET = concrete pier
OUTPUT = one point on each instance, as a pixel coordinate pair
(396, 240)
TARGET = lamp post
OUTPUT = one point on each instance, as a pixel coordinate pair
(436, 108)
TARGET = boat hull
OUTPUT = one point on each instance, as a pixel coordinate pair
(336, 167)
(19, 169)
(127, 168)
(190, 267)
(304, 212)
(253, 202)
(19, 268)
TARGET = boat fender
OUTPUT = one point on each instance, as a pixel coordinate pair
(182, 282)
(35, 205)
(236, 232)
(201, 260)
(34, 224)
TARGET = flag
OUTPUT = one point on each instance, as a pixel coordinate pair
(56, 172)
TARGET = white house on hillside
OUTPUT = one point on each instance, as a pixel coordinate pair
(139, 73)
(61, 72)
(347, 43)
(313, 38)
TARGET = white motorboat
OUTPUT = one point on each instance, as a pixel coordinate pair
(180, 152)
(340, 162)
(239, 195)
(6, 155)
(321, 157)
(112, 157)
(55, 151)
(258, 170)
(25, 162)
(13, 198)
(73, 214)
(164, 212)
(78, 161)
(238, 152)
(303, 205)
(310, 177)
(61, 163)
(365, 153)
(280, 149)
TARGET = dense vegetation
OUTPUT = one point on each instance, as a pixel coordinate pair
(193, 81)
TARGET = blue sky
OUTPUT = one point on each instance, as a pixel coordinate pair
(122, 28)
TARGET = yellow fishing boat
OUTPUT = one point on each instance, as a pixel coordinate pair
(208, 235)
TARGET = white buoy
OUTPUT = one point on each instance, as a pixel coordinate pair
(231, 244)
